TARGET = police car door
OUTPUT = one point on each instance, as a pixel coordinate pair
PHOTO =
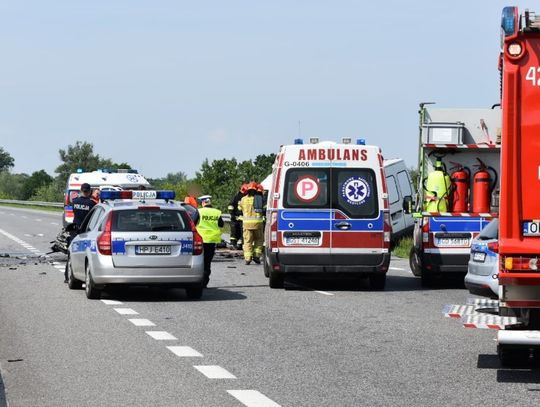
(304, 221)
(357, 219)
(84, 244)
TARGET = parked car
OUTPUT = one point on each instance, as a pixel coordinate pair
(482, 275)
(137, 242)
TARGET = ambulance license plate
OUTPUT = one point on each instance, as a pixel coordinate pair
(479, 257)
(531, 228)
(452, 242)
(301, 241)
(152, 250)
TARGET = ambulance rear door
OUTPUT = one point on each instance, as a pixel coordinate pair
(357, 213)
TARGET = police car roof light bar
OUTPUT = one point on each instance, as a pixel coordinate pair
(112, 195)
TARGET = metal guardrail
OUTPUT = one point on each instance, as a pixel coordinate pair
(226, 217)
(33, 203)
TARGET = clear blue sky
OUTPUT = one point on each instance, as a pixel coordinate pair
(165, 84)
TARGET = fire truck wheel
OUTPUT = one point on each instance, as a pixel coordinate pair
(414, 262)
(266, 267)
(513, 357)
(377, 281)
(276, 280)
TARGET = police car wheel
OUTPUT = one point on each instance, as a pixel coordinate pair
(513, 357)
(276, 280)
(377, 281)
(73, 283)
(92, 293)
(194, 293)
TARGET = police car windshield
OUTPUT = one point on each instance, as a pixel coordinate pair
(155, 220)
(491, 231)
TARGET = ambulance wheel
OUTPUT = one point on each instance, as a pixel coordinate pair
(276, 280)
(377, 281)
(513, 357)
(414, 262)
(73, 283)
(266, 267)
(92, 293)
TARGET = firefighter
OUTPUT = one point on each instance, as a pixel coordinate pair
(252, 224)
(82, 205)
(209, 227)
(236, 221)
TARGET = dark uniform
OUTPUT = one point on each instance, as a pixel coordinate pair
(82, 205)
(236, 224)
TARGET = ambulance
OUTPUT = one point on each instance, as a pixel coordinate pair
(102, 179)
(327, 213)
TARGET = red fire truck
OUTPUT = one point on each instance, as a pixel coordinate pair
(516, 314)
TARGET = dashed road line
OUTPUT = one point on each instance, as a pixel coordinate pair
(215, 372)
(126, 311)
(323, 292)
(396, 268)
(252, 398)
(112, 302)
(184, 352)
(38, 220)
(141, 322)
(55, 224)
(161, 335)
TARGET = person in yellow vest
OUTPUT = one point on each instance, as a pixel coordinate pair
(209, 227)
(252, 222)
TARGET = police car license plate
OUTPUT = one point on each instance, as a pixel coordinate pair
(302, 241)
(149, 250)
(531, 228)
(479, 257)
(452, 242)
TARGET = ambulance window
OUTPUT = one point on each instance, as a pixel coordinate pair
(355, 192)
(393, 193)
(306, 188)
(404, 183)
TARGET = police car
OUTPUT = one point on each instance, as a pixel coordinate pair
(328, 213)
(137, 238)
(102, 180)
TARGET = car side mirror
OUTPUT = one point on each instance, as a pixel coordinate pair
(408, 204)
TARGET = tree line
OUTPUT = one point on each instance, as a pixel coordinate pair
(220, 178)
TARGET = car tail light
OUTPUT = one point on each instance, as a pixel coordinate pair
(493, 246)
(425, 232)
(197, 239)
(66, 199)
(104, 240)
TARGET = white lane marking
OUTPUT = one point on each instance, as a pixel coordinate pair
(24, 216)
(184, 352)
(396, 268)
(111, 302)
(28, 234)
(126, 311)
(215, 372)
(252, 398)
(161, 335)
(55, 224)
(141, 322)
(38, 220)
(323, 292)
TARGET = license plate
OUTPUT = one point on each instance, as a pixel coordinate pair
(149, 250)
(452, 242)
(479, 256)
(302, 241)
(531, 228)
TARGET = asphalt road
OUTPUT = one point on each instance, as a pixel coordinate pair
(242, 344)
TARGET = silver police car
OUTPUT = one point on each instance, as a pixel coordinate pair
(137, 238)
(482, 274)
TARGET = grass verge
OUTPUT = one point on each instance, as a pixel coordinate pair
(403, 247)
(41, 208)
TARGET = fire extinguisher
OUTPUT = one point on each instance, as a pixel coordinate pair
(460, 187)
(483, 185)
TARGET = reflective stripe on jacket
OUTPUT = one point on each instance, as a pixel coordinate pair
(252, 219)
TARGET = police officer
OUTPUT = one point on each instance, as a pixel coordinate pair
(82, 205)
(210, 222)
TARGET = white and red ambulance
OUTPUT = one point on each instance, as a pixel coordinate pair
(327, 213)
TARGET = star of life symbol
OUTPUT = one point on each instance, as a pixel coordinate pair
(355, 191)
